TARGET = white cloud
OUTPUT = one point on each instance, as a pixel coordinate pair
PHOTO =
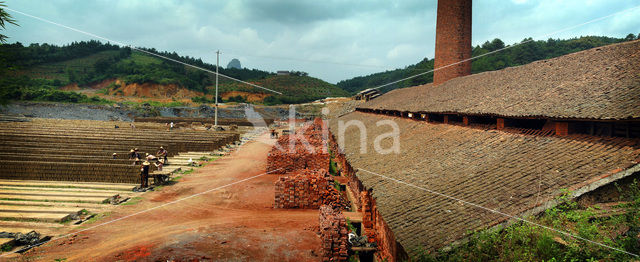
(350, 37)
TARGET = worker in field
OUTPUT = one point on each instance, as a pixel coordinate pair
(132, 156)
(135, 156)
(115, 155)
(144, 174)
(159, 164)
(162, 153)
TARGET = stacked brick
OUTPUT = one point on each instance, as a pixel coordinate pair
(333, 232)
(308, 189)
(368, 216)
(303, 150)
(304, 156)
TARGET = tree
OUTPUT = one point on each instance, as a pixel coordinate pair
(5, 18)
(630, 37)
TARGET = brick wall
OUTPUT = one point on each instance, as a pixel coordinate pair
(333, 232)
(306, 149)
(375, 228)
(308, 189)
(453, 39)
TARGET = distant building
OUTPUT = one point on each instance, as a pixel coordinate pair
(283, 73)
(368, 94)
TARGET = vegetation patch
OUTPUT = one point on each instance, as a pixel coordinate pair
(618, 227)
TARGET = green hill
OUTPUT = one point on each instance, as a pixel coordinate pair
(290, 86)
(37, 71)
(514, 56)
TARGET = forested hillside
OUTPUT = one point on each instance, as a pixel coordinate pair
(37, 71)
(514, 56)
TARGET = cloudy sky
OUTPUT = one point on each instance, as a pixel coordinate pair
(331, 39)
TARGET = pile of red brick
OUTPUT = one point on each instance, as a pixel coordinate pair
(368, 216)
(285, 162)
(307, 149)
(308, 189)
(333, 232)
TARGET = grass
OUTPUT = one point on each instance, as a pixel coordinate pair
(333, 168)
(132, 201)
(186, 172)
(6, 247)
(526, 242)
(141, 59)
(95, 218)
(59, 70)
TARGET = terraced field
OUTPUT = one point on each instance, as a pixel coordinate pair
(58, 173)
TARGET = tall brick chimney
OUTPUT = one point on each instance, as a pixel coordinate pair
(453, 39)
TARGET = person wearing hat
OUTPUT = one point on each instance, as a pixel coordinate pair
(132, 154)
(150, 157)
(144, 174)
(114, 155)
(162, 153)
(159, 164)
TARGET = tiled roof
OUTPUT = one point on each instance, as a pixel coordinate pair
(511, 173)
(599, 83)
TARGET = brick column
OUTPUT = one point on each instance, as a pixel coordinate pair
(562, 128)
(500, 123)
(465, 120)
(453, 40)
(446, 119)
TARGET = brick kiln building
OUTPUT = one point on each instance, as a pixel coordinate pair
(508, 140)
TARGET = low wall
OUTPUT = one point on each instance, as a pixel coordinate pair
(333, 232)
(308, 189)
(375, 228)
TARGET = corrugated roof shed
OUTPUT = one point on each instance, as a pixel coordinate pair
(600, 83)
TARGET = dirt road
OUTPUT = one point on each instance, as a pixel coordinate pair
(236, 223)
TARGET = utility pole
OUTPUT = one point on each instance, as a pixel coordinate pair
(217, 65)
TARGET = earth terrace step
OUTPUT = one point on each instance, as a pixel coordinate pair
(26, 136)
(115, 131)
(97, 135)
(28, 146)
(63, 184)
(89, 190)
(95, 208)
(28, 216)
(40, 198)
(39, 209)
(6, 241)
(155, 142)
(58, 193)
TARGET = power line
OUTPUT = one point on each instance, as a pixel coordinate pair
(140, 50)
(517, 44)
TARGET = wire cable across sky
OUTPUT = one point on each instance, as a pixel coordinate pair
(140, 50)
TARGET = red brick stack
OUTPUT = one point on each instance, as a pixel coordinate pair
(333, 232)
(308, 189)
(304, 150)
(368, 216)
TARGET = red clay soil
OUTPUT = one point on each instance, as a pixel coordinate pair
(236, 223)
(251, 97)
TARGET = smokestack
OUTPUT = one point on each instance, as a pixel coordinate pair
(453, 40)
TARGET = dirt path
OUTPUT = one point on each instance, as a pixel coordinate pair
(236, 223)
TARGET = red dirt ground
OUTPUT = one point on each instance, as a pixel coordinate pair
(236, 223)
